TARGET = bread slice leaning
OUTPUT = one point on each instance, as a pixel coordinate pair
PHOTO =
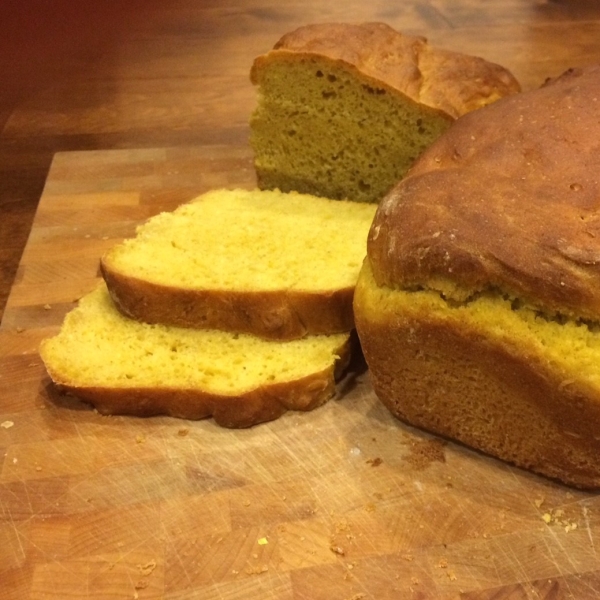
(279, 266)
(121, 366)
(344, 109)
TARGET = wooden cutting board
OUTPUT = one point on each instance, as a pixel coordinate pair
(343, 503)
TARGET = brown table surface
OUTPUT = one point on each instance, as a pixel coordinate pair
(342, 503)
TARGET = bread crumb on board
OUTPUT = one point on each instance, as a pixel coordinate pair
(145, 570)
(450, 574)
(557, 517)
(256, 570)
(148, 568)
(422, 453)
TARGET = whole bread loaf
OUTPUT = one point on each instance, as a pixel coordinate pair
(121, 366)
(478, 306)
(280, 266)
(344, 109)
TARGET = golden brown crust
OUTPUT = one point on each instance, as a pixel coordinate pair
(454, 381)
(507, 198)
(279, 314)
(255, 406)
(448, 82)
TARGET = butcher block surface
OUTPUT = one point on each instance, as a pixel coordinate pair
(341, 503)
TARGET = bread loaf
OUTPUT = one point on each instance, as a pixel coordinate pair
(122, 366)
(280, 266)
(478, 306)
(343, 109)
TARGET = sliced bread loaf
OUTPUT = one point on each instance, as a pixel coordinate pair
(343, 110)
(275, 265)
(122, 366)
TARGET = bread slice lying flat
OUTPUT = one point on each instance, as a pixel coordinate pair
(478, 307)
(276, 265)
(344, 109)
(121, 366)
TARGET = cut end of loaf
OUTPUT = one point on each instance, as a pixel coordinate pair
(322, 129)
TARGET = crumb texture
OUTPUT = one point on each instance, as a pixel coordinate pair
(249, 241)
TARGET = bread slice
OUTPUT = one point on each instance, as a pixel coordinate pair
(122, 366)
(343, 109)
(478, 307)
(279, 266)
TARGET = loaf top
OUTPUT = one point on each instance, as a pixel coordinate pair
(506, 200)
(450, 82)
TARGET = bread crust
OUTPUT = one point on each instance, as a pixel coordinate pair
(259, 405)
(465, 385)
(447, 82)
(278, 314)
(507, 198)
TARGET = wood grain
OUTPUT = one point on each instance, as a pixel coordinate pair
(140, 107)
(343, 502)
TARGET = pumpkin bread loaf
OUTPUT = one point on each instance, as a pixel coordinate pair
(478, 306)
